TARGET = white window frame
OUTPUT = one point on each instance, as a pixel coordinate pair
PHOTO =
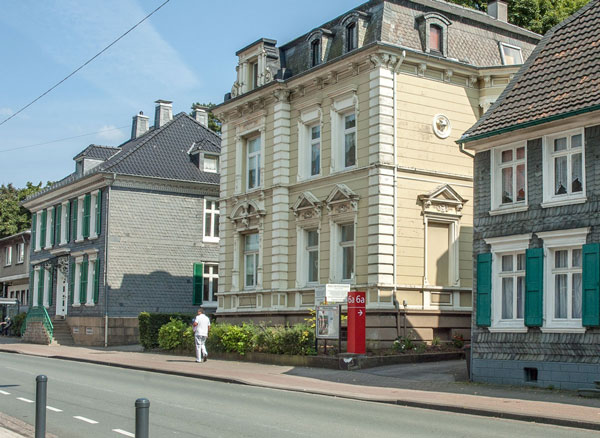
(20, 252)
(212, 212)
(47, 287)
(309, 118)
(258, 156)
(8, 255)
(77, 282)
(555, 241)
(49, 227)
(38, 231)
(210, 157)
(89, 293)
(505, 245)
(256, 255)
(503, 55)
(340, 246)
(64, 223)
(311, 143)
(308, 250)
(548, 154)
(208, 278)
(80, 202)
(36, 284)
(496, 178)
(342, 106)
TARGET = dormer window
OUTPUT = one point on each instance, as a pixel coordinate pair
(253, 75)
(315, 52)
(435, 38)
(433, 30)
(351, 37)
(511, 55)
(211, 163)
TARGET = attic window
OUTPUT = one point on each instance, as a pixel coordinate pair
(511, 55)
(435, 38)
(433, 30)
(351, 37)
(315, 52)
(211, 163)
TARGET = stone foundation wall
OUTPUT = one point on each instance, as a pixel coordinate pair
(36, 334)
(90, 330)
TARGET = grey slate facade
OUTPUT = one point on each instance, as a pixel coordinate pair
(538, 322)
(14, 267)
(140, 248)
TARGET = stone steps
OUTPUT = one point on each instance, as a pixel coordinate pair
(590, 393)
(62, 333)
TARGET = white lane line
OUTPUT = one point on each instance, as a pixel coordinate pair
(50, 408)
(87, 420)
(26, 400)
(4, 392)
(124, 432)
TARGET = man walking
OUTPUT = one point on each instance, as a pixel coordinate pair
(201, 329)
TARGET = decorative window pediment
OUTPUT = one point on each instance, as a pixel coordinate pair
(342, 200)
(307, 206)
(354, 24)
(247, 215)
(433, 31)
(444, 200)
(319, 42)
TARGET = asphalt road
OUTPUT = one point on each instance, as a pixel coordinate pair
(86, 400)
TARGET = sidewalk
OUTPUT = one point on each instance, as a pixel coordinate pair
(385, 385)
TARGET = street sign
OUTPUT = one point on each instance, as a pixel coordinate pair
(331, 293)
(328, 322)
(357, 322)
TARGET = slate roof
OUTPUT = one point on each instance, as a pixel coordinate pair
(560, 79)
(159, 153)
(97, 152)
(206, 145)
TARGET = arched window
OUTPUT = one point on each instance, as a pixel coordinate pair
(315, 52)
(351, 37)
(435, 38)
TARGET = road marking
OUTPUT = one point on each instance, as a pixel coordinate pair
(50, 408)
(4, 392)
(87, 420)
(26, 400)
(124, 432)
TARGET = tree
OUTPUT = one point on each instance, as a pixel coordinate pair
(13, 217)
(213, 123)
(536, 15)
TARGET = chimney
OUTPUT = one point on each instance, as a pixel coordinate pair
(498, 9)
(201, 115)
(163, 113)
(140, 125)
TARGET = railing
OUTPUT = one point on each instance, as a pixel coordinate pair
(38, 314)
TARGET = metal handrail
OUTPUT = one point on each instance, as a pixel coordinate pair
(38, 314)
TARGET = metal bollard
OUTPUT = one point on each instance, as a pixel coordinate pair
(40, 406)
(142, 417)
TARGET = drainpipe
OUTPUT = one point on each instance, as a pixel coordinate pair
(395, 216)
(106, 287)
(461, 147)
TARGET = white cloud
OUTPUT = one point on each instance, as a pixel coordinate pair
(111, 134)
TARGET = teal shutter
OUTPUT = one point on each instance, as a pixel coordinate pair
(68, 222)
(31, 274)
(41, 288)
(484, 290)
(96, 281)
(98, 212)
(590, 315)
(72, 281)
(74, 219)
(44, 220)
(51, 230)
(51, 286)
(198, 283)
(34, 232)
(58, 226)
(87, 203)
(84, 281)
(534, 287)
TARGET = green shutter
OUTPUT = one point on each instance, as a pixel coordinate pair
(68, 222)
(72, 281)
(74, 219)
(41, 287)
(484, 289)
(87, 203)
(98, 212)
(58, 224)
(84, 281)
(44, 220)
(51, 286)
(34, 230)
(534, 287)
(590, 315)
(96, 281)
(52, 224)
(198, 283)
(31, 274)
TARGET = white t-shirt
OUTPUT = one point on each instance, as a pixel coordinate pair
(203, 325)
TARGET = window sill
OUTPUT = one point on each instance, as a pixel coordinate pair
(75, 305)
(93, 237)
(507, 210)
(565, 201)
(90, 304)
(209, 239)
(563, 329)
(79, 240)
(19, 263)
(520, 329)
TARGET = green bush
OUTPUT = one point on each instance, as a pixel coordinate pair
(18, 321)
(239, 339)
(170, 335)
(150, 324)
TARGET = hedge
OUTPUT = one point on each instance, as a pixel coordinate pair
(150, 324)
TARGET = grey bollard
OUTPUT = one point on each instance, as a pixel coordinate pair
(142, 418)
(40, 406)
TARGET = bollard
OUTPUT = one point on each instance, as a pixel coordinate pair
(142, 417)
(40, 406)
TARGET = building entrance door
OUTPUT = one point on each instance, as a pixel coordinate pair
(62, 288)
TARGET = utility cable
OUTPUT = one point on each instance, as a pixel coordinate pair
(83, 65)
(63, 139)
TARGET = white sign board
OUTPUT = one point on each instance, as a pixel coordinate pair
(332, 293)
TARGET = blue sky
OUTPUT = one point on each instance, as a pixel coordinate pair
(184, 53)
